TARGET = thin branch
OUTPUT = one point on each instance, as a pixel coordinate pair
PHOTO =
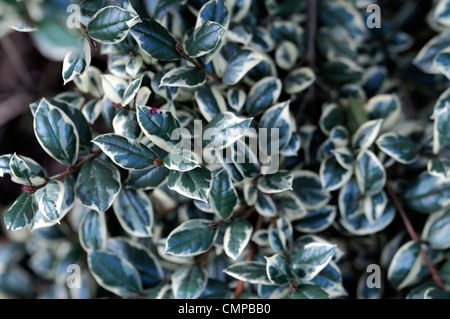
(437, 278)
(251, 252)
(202, 258)
(311, 29)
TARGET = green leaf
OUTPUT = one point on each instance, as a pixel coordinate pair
(437, 229)
(238, 66)
(441, 130)
(92, 231)
(140, 257)
(126, 152)
(289, 205)
(24, 170)
(308, 188)
(21, 213)
(181, 160)
(335, 42)
(76, 62)
(400, 148)
(407, 266)
(276, 119)
(191, 238)
(50, 199)
(386, 107)
(341, 71)
(114, 273)
(204, 39)
(56, 133)
(111, 25)
(370, 173)
(90, 7)
(164, 6)
(214, 10)
(125, 124)
(427, 194)
(425, 58)
(331, 117)
(308, 261)
(316, 220)
(253, 272)
(131, 91)
(98, 184)
(92, 110)
(332, 175)
(184, 76)
(345, 15)
(356, 114)
(310, 292)
(148, 178)
(278, 270)
(210, 102)
(262, 95)
(4, 164)
(265, 205)
(344, 156)
(237, 235)
(158, 126)
(439, 167)
(188, 282)
(276, 183)
(366, 134)
(223, 196)
(298, 80)
(224, 129)
(114, 87)
(134, 211)
(195, 184)
(155, 40)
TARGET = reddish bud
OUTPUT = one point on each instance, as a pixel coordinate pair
(158, 162)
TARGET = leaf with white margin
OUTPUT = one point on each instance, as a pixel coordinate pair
(370, 173)
(400, 148)
(298, 80)
(126, 152)
(111, 24)
(92, 110)
(223, 197)
(316, 220)
(98, 185)
(366, 134)
(441, 102)
(308, 188)
(142, 96)
(286, 55)
(331, 117)
(125, 124)
(386, 107)
(427, 194)
(214, 10)
(224, 129)
(277, 119)
(374, 206)
(278, 270)
(276, 183)
(164, 6)
(4, 164)
(309, 260)
(210, 102)
(191, 238)
(238, 66)
(265, 206)
(332, 175)
(277, 239)
(155, 40)
(236, 98)
(92, 231)
(407, 266)
(441, 13)
(139, 256)
(21, 212)
(344, 156)
(263, 95)
(253, 272)
(204, 39)
(184, 76)
(56, 133)
(439, 167)
(437, 230)
(195, 184)
(181, 160)
(289, 206)
(188, 282)
(134, 211)
(441, 129)
(310, 292)
(237, 235)
(89, 8)
(425, 57)
(24, 170)
(158, 126)
(131, 91)
(114, 87)
(76, 61)
(345, 15)
(114, 273)
(148, 178)
(50, 199)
